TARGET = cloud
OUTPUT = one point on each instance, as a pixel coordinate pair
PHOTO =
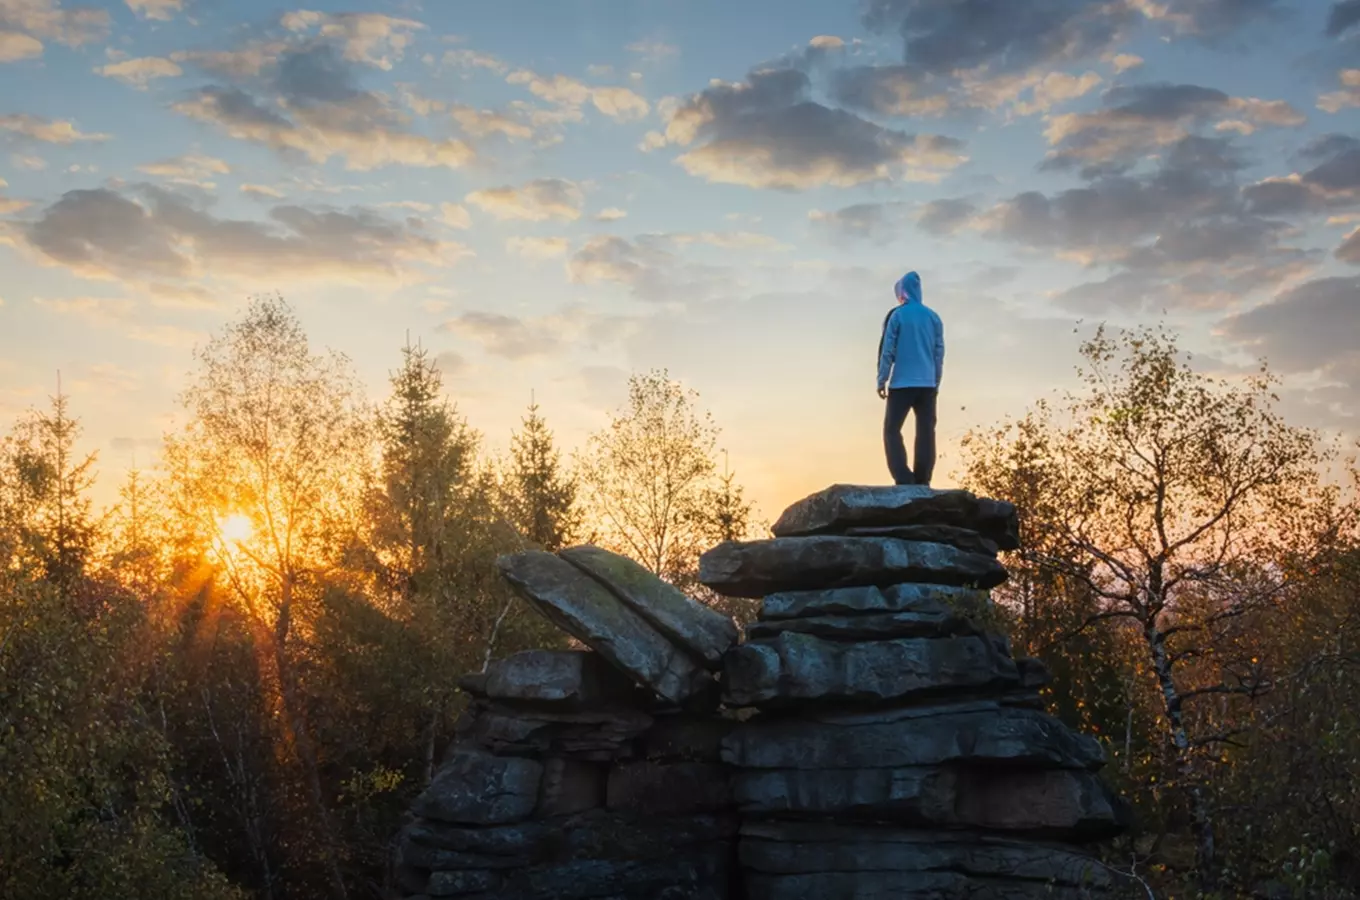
(1345, 98)
(250, 60)
(606, 258)
(155, 234)
(262, 190)
(1178, 235)
(1349, 251)
(505, 336)
(25, 24)
(141, 71)
(538, 247)
(1123, 62)
(945, 216)
(561, 90)
(361, 129)
(480, 123)
(163, 10)
(535, 201)
(1314, 327)
(1209, 18)
(15, 46)
(301, 96)
(866, 221)
(1330, 182)
(193, 168)
(455, 215)
(472, 59)
(653, 51)
(370, 38)
(611, 214)
(30, 163)
(48, 131)
(764, 132)
(1343, 16)
(981, 54)
(1136, 121)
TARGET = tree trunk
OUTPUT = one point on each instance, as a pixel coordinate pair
(295, 722)
(1201, 819)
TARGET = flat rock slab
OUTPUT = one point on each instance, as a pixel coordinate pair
(757, 568)
(599, 735)
(787, 848)
(962, 538)
(874, 627)
(924, 599)
(844, 506)
(1062, 804)
(567, 678)
(798, 667)
(1016, 738)
(589, 612)
(686, 622)
(476, 788)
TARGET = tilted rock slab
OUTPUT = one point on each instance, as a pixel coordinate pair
(1063, 804)
(844, 506)
(585, 609)
(799, 667)
(1013, 737)
(757, 568)
(687, 622)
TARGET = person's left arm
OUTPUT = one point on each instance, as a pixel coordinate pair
(887, 353)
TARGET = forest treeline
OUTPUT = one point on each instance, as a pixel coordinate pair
(234, 681)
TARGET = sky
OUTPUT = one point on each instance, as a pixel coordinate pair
(552, 195)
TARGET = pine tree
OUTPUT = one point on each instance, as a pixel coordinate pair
(540, 496)
(48, 485)
(420, 509)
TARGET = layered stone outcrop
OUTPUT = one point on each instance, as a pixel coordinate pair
(868, 736)
(899, 750)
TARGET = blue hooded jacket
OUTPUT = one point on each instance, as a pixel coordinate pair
(911, 351)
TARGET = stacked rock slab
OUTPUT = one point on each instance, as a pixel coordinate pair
(898, 749)
(591, 773)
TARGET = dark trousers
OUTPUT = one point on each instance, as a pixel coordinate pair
(900, 402)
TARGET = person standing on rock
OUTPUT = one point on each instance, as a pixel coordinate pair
(910, 366)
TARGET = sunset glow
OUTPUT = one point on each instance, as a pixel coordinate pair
(235, 529)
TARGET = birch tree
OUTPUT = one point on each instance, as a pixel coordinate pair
(1172, 499)
(266, 472)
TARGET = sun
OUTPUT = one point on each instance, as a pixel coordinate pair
(235, 529)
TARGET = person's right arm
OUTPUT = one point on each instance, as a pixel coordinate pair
(887, 352)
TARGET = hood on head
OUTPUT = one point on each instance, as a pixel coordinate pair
(908, 290)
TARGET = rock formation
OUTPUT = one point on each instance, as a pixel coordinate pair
(871, 737)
